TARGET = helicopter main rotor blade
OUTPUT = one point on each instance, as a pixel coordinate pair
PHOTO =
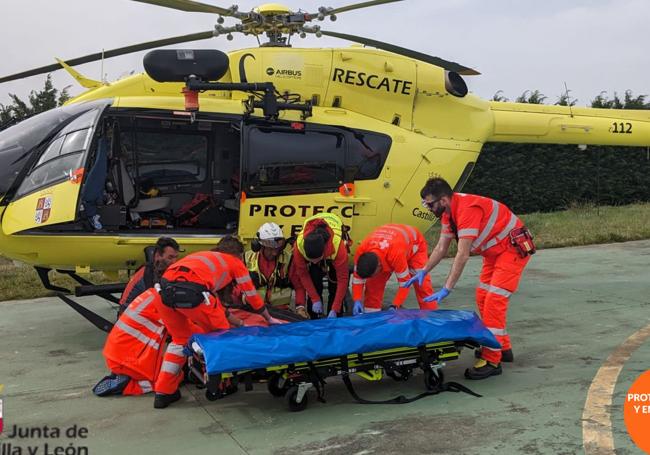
(111, 53)
(343, 9)
(446, 64)
(190, 6)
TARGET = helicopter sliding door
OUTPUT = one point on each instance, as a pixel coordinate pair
(291, 171)
(49, 192)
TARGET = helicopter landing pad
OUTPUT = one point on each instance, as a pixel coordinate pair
(576, 309)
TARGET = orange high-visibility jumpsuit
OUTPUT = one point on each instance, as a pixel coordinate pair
(215, 271)
(488, 223)
(133, 288)
(335, 254)
(136, 344)
(401, 249)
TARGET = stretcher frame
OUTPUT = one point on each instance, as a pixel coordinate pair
(293, 381)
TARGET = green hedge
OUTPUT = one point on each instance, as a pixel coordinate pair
(533, 177)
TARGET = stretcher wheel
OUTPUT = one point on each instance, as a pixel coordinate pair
(192, 378)
(274, 386)
(433, 378)
(294, 406)
(212, 396)
(399, 374)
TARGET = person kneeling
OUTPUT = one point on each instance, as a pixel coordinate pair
(134, 349)
(189, 304)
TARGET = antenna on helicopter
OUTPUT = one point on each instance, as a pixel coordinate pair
(568, 99)
(102, 76)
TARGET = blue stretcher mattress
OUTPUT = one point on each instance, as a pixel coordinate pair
(249, 348)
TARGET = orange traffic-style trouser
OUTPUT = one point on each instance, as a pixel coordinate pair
(375, 286)
(138, 385)
(181, 327)
(498, 280)
(171, 371)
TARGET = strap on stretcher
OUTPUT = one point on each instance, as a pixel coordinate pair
(317, 381)
(401, 399)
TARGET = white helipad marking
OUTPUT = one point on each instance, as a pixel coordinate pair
(597, 437)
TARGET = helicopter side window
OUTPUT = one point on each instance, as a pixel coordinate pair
(172, 158)
(285, 161)
(62, 145)
(52, 171)
(165, 158)
(367, 154)
(51, 152)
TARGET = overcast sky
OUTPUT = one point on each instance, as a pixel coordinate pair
(592, 45)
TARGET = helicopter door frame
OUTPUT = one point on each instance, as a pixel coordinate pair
(50, 191)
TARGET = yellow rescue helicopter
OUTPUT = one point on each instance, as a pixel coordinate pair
(208, 144)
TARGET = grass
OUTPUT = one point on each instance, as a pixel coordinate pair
(590, 225)
(20, 281)
(585, 225)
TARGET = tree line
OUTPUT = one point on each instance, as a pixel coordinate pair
(38, 101)
(544, 177)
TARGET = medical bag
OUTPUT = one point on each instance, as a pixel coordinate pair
(183, 294)
(522, 239)
(190, 213)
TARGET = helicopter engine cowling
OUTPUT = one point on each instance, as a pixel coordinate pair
(437, 81)
(455, 84)
(176, 65)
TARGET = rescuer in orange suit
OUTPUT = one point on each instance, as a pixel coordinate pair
(397, 248)
(165, 252)
(487, 227)
(135, 346)
(189, 302)
(321, 248)
(134, 349)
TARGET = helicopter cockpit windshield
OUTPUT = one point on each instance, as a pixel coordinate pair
(20, 143)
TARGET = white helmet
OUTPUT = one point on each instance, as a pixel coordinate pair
(271, 235)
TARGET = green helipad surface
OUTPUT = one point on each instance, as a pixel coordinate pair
(574, 307)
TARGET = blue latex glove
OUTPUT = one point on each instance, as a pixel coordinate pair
(332, 315)
(357, 309)
(317, 307)
(419, 277)
(437, 296)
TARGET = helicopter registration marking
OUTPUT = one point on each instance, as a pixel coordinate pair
(621, 128)
(43, 209)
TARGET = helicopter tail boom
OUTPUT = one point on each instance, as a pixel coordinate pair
(542, 124)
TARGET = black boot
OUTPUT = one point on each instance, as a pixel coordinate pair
(483, 369)
(506, 356)
(161, 401)
(113, 384)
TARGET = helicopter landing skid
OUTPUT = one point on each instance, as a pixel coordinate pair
(94, 318)
(61, 293)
